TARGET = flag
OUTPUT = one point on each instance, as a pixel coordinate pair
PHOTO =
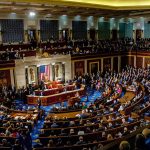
(44, 72)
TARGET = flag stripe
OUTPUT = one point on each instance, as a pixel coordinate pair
(44, 72)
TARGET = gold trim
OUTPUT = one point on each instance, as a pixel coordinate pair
(10, 68)
(146, 56)
(103, 4)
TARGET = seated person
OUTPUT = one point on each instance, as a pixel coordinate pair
(50, 144)
(54, 125)
(124, 145)
(80, 132)
(84, 114)
(81, 141)
(38, 144)
(72, 132)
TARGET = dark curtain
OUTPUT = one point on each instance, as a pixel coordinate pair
(103, 30)
(49, 29)
(79, 30)
(12, 30)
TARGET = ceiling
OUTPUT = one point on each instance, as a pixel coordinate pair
(97, 8)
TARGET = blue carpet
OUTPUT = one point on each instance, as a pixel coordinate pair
(92, 96)
(122, 94)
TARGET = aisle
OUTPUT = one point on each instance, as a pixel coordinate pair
(92, 96)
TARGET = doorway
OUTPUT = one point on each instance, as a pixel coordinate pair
(92, 34)
(32, 37)
(31, 34)
(138, 34)
(114, 34)
(65, 34)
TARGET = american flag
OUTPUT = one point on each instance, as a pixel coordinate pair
(44, 72)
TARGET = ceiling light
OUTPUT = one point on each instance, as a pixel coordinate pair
(13, 13)
(32, 14)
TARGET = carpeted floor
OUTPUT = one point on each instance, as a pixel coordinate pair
(92, 96)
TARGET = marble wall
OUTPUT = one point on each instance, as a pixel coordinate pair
(21, 65)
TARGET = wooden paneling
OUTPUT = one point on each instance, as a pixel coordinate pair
(12, 29)
(7, 64)
(127, 60)
(79, 30)
(139, 62)
(106, 64)
(89, 62)
(79, 68)
(124, 61)
(130, 60)
(49, 29)
(5, 78)
(115, 64)
(147, 62)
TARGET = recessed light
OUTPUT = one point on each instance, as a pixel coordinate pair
(32, 13)
(13, 13)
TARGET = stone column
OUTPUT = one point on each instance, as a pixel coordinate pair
(25, 30)
(20, 74)
(112, 62)
(96, 35)
(38, 74)
(26, 36)
(0, 36)
(88, 34)
(12, 77)
(143, 65)
(37, 35)
(85, 66)
(135, 61)
(102, 64)
(53, 72)
(119, 63)
(38, 31)
(71, 35)
(63, 72)
(73, 73)
(60, 34)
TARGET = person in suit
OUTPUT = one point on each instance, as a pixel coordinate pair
(124, 145)
(39, 103)
(54, 125)
(81, 141)
(38, 144)
(146, 133)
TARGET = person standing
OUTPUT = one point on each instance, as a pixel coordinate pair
(39, 103)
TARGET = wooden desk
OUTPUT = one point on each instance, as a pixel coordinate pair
(56, 98)
(67, 115)
(24, 116)
(54, 90)
(127, 97)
